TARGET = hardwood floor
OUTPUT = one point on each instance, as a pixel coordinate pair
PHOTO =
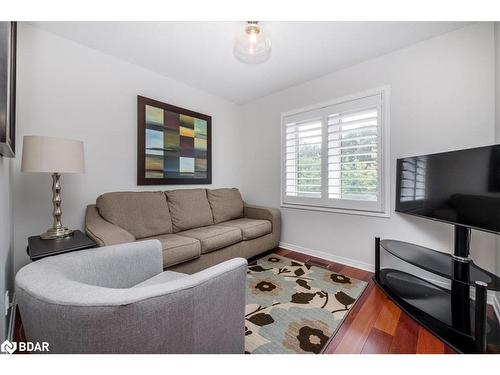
(375, 325)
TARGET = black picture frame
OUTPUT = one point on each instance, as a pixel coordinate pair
(142, 179)
(8, 51)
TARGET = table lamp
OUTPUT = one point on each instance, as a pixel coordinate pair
(55, 156)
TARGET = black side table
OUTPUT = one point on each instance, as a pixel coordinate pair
(38, 248)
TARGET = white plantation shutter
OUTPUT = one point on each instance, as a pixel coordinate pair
(333, 156)
(353, 154)
(302, 155)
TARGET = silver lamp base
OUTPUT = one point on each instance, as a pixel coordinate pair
(54, 233)
(57, 230)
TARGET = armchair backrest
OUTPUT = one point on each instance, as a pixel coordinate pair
(89, 276)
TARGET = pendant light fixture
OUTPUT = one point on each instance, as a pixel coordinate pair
(252, 45)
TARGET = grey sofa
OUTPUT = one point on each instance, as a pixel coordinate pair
(197, 228)
(116, 299)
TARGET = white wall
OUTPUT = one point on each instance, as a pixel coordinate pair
(6, 243)
(442, 94)
(68, 90)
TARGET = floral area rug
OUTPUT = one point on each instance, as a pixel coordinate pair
(293, 307)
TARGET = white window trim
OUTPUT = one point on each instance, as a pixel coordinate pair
(384, 155)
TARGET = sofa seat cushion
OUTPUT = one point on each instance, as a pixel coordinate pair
(142, 214)
(161, 278)
(189, 209)
(250, 228)
(226, 204)
(214, 237)
(178, 249)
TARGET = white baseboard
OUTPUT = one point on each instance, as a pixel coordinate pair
(492, 299)
(327, 256)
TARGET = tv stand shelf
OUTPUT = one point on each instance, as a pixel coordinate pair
(441, 264)
(450, 314)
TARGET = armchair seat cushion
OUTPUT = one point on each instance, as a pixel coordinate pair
(161, 278)
(250, 228)
(214, 237)
(178, 249)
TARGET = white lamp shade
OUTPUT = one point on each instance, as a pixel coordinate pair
(52, 155)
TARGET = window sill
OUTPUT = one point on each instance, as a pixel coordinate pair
(335, 210)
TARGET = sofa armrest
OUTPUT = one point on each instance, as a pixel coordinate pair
(265, 213)
(102, 231)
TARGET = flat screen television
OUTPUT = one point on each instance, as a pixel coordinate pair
(457, 187)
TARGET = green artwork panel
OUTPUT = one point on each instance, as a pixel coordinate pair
(154, 115)
(200, 144)
(172, 139)
(186, 165)
(187, 121)
(200, 128)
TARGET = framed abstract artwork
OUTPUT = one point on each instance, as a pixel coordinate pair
(174, 145)
(8, 89)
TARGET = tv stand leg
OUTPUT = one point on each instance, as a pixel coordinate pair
(462, 243)
(460, 307)
(480, 317)
(460, 290)
(377, 259)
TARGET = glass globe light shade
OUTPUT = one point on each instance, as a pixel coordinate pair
(252, 45)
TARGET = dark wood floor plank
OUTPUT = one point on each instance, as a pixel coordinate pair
(335, 267)
(282, 252)
(427, 343)
(359, 329)
(298, 256)
(388, 318)
(378, 342)
(448, 350)
(345, 326)
(405, 336)
(319, 262)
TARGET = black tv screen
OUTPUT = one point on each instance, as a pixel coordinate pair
(458, 187)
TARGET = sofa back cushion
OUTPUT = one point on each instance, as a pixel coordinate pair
(226, 204)
(143, 214)
(189, 208)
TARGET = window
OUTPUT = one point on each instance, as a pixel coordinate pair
(334, 155)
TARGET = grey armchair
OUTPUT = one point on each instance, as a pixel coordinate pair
(116, 299)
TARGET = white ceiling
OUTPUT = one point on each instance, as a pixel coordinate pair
(200, 54)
